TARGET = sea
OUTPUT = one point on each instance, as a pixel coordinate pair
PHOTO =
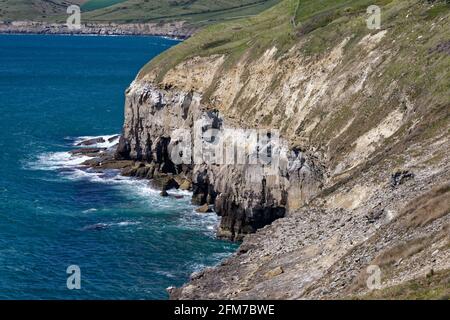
(71, 233)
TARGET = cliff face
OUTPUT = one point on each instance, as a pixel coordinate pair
(363, 117)
(245, 195)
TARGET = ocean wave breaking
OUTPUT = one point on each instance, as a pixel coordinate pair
(70, 166)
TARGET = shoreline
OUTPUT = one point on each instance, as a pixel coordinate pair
(91, 35)
(174, 30)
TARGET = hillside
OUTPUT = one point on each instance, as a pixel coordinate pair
(364, 116)
(198, 12)
(13, 10)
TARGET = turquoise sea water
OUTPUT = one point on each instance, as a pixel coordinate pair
(128, 241)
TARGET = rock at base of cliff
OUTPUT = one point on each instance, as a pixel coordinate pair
(165, 182)
(186, 184)
(91, 142)
(204, 209)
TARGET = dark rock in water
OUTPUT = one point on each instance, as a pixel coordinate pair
(142, 172)
(139, 170)
(151, 171)
(178, 196)
(204, 209)
(115, 164)
(186, 184)
(87, 151)
(123, 149)
(400, 176)
(91, 142)
(128, 171)
(170, 289)
(92, 162)
(164, 193)
(165, 182)
(113, 138)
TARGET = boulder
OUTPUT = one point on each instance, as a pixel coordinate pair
(87, 151)
(123, 149)
(142, 172)
(113, 138)
(115, 164)
(129, 171)
(204, 209)
(165, 182)
(274, 272)
(186, 184)
(400, 176)
(92, 162)
(91, 142)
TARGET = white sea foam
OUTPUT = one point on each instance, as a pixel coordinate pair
(58, 160)
(166, 274)
(207, 222)
(70, 167)
(125, 223)
(104, 225)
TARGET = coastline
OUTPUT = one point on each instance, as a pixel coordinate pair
(174, 30)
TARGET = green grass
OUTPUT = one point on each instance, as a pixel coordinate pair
(99, 4)
(11, 10)
(198, 12)
(432, 287)
(274, 27)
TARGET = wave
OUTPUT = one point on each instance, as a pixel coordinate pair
(104, 225)
(70, 166)
(90, 210)
(57, 160)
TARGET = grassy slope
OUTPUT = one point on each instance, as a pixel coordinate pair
(121, 11)
(99, 4)
(322, 20)
(199, 11)
(274, 27)
(433, 287)
(34, 9)
(319, 25)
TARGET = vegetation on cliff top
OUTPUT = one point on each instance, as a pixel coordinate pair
(320, 23)
(198, 12)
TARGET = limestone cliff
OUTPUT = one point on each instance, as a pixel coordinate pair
(364, 122)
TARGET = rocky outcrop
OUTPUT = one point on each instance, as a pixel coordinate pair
(179, 29)
(246, 196)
